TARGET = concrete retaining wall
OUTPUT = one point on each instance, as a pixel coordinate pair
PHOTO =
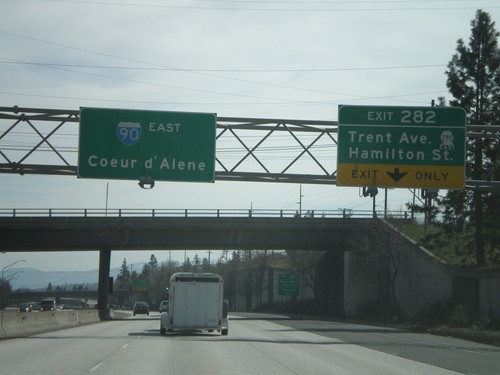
(421, 280)
(14, 324)
(489, 292)
(360, 282)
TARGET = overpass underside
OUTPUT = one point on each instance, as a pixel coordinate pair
(245, 233)
(105, 234)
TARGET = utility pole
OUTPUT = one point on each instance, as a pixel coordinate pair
(385, 204)
(107, 196)
(300, 200)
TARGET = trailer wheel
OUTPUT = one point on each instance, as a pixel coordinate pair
(225, 331)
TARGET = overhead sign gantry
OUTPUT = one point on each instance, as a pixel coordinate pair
(31, 143)
(414, 147)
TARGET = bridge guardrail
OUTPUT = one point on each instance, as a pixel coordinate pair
(154, 212)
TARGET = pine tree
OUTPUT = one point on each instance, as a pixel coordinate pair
(123, 279)
(187, 266)
(124, 274)
(196, 263)
(149, 268)
(153, 263)
(474, 81)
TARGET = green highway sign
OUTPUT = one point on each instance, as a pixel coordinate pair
(288, 284)
(131, 144)
(140, 286)
(414, 147)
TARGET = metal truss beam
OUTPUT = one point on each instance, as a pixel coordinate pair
(45, 141)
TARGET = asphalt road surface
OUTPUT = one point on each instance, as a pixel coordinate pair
(256, 344)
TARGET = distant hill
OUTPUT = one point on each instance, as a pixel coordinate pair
(31, 278)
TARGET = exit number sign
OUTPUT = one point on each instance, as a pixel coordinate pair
(413, 147)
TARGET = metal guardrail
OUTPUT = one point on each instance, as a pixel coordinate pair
(213, 213)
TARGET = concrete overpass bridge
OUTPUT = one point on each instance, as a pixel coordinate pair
(90, 230)
(80, 230)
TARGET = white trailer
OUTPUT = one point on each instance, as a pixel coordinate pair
(195, 304)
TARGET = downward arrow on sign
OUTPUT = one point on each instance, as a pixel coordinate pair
(396, 175)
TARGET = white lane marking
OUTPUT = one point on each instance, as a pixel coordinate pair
(95, 367)
(477, 351)
(124, 346)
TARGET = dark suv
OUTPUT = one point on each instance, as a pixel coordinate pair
(141, 308)
(48, 304)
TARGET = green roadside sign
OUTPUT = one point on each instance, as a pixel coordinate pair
(131, 144)
(140, 286)
(288, 284)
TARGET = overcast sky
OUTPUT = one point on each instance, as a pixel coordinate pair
(258, 59)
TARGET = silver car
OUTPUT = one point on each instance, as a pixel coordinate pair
(163, 306)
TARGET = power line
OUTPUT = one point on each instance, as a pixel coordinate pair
(289, 2)
(267, 84)
(141, 62)
(169, 67)
(303, 102)
(282, 9)
(227, 70)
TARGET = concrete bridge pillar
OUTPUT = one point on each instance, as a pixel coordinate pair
(102, 289)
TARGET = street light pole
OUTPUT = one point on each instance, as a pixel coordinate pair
(6, 268)
(300, 201)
